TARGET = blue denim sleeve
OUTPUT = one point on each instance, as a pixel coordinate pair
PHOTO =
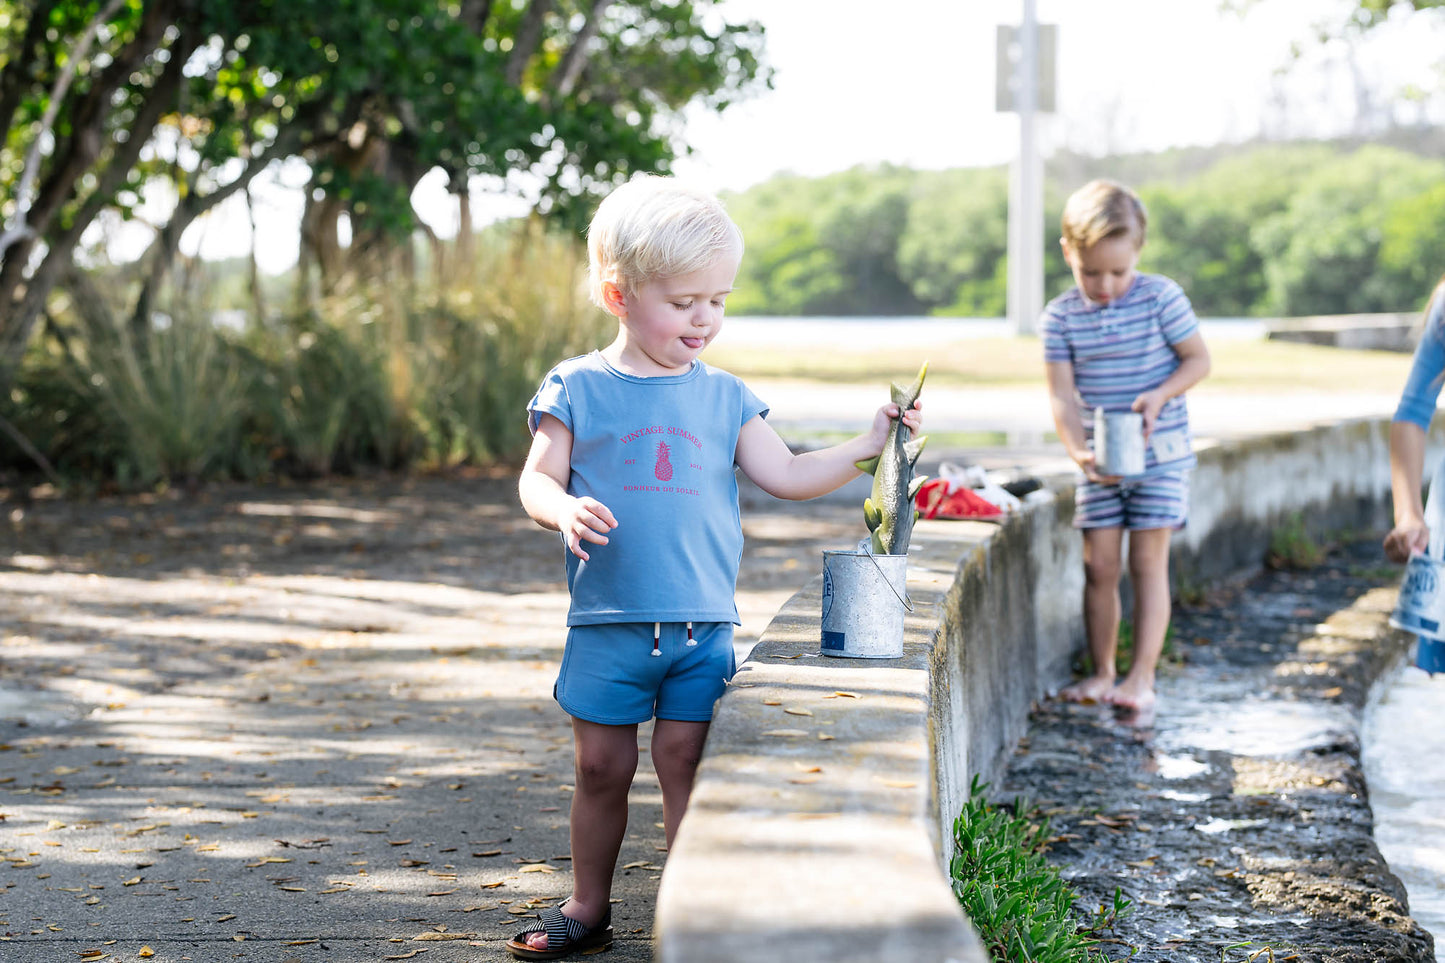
(1427, 373)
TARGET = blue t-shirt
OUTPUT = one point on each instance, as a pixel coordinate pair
(1422, 387)
(1122, 349)
(659, 453)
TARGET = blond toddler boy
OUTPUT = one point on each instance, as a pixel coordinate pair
(633, 461)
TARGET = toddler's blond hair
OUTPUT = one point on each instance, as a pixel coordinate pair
(655, 227)
(1102, 209)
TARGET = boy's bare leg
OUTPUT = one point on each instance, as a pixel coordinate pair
(605, 760)
(676, 751)
(1102, 563)
(1149, 574)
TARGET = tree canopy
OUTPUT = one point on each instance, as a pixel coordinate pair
(572, 95)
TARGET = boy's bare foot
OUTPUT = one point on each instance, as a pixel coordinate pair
(1092, 689)
(1134, 718)
(1134, 695)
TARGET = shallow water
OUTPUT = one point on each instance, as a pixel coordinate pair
(1404, 759)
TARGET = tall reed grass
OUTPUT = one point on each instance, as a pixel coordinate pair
(385, 376)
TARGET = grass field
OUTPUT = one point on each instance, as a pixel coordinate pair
(1239, 364)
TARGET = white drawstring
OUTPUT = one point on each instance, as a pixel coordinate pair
(690, 639)
(656, 634)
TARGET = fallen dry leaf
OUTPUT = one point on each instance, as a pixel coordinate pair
(786, 733)
(797, 711)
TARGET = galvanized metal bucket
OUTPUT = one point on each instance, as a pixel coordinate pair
(1118, 442)
(864, 598)
(1421, 605)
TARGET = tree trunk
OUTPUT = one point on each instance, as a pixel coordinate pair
(529, 35)
(567, 72)
(464, 250)
(22, 294)
(258, 295)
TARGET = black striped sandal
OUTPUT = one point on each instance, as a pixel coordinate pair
(565, 936)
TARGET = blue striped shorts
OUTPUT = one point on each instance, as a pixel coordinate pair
(1155, 501)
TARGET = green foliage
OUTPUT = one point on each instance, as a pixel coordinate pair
(1267, 229)
(377, 380)
(192, 100)
(1019, 906)
(1291, 546)
(135, 409)
(1325, 244)
(1412, 245)
(952, 252)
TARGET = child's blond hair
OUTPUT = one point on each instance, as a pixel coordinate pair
(653, 228)
(1102, 209)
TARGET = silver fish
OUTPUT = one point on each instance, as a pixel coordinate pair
(889, 510)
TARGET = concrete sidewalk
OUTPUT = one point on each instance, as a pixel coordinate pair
(307, 724)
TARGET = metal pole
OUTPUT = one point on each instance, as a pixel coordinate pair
(1026, 189)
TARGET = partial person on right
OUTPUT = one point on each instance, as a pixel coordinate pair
(1407, 433)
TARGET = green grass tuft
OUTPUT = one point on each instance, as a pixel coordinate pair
(1019, 906)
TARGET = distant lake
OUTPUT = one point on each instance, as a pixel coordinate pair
(859, 330)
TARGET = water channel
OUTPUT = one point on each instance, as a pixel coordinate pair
(1404, 758)
(1403, 738)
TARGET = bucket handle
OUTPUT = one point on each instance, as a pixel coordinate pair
(907, 602)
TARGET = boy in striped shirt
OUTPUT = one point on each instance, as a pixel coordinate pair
(1122, 340)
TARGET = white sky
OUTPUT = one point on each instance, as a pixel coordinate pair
(915, 85)
(911, 82)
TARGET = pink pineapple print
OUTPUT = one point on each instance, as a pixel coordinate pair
(663, 468)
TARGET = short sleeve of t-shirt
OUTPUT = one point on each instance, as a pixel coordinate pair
(1051, 333)
(551, 399)
(1427, 371)
(1176, 315)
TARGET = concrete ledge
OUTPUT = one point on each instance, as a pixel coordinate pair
(824, 833)
(1361, 332)
(814, 836)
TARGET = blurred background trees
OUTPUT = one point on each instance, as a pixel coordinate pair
(159, 111)
(1255, 230)
(387, 345)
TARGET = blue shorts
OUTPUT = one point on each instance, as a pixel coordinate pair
(610, 676)
(1155, 501)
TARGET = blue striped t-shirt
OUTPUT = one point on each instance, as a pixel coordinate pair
(1123, 349)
